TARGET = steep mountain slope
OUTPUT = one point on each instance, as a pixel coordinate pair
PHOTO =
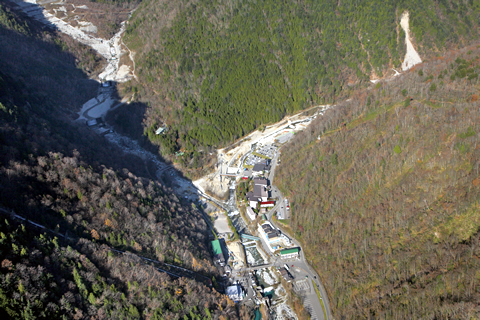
(214, 72)
(386, 202)
(43, 277)
(72, 182)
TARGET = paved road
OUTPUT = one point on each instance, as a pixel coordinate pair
(301, 270)
(305, 276)
(300, 267)
(275, 192)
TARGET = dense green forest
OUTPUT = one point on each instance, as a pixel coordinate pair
(59, 174)
(386, 202)
(214, 71)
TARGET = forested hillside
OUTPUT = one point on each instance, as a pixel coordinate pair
(214, 71)
(44, 277)
(386, 202)
(63, 176)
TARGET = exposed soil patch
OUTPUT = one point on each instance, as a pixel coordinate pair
(411, 57)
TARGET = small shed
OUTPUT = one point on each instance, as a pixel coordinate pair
(91, 123)
(161, 130)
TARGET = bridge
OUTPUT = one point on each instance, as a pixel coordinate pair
(249, 237)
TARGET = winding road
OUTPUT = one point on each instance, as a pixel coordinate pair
(99, 106)
(299, 268)
(301, 264)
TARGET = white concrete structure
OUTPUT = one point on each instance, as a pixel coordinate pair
(274, 238)
(252, 203)
(289, 253)
(251, 214)
(271, 236)
(232, 170)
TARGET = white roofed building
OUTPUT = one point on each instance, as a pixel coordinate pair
(251, 214)
(235, 293)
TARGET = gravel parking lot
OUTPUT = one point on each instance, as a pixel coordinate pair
(221, 223)
(301, 285)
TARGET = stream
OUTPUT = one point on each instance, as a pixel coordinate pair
(96, 108)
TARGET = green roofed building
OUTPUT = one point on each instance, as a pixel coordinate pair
(258, 315)
(289, 253)
(218, 253)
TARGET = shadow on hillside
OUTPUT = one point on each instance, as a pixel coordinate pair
(31, 11)
(127, 120)
(52, 73)
(45, 90)
(49, 91)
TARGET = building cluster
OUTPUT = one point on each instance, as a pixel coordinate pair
(260, 160)
(258, 198)
(236, 256)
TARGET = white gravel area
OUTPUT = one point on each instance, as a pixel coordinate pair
(221, 223)
(250, 258)
(110, 49)
(87, 105)
(283, 311)
(267, 277)
(101, 109)
(411, 57)
(280, 291)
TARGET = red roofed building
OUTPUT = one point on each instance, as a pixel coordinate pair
(266, 204)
